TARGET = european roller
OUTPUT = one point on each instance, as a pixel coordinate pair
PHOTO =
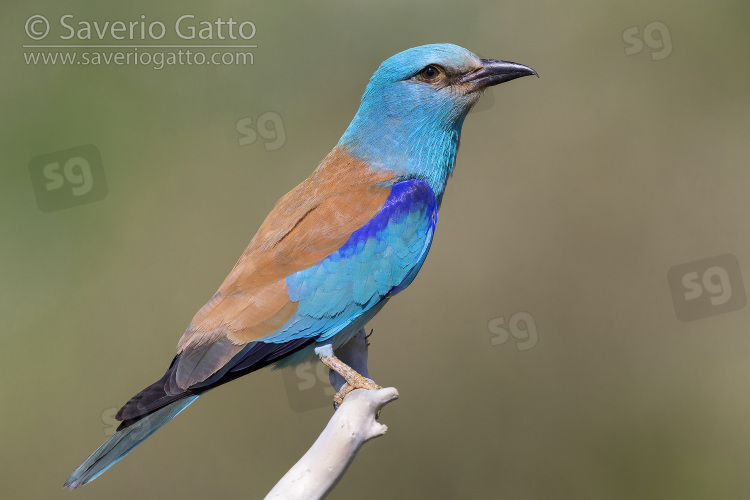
(334, 249)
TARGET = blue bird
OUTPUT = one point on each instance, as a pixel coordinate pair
(334, 250)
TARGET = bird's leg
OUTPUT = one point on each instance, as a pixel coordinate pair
(353, 379)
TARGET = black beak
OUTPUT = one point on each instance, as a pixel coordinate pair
(494, 72)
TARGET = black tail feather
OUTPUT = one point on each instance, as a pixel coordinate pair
(159, 395)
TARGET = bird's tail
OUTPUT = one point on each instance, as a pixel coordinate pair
(123, 442)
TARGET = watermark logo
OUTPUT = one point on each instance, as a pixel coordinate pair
(521, 327)
(707, 287)
(486, 102)
(109, 421)
(656, 37)
(140, 41)
(308, 386)
(269, 126)
(68, 178)
(37, 27)
(186, 27)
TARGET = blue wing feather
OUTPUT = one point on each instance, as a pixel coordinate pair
(379, 260)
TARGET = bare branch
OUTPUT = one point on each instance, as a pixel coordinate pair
(352, 425)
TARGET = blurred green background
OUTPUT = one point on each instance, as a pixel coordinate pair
(573, 196)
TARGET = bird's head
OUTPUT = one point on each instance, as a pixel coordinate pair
(440, 81)
(413, 109)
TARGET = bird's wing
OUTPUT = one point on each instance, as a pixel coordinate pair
(321, 260)
(307, 225)
(379, 260)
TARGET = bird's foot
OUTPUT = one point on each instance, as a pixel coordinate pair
(360, 383)
(353, 379)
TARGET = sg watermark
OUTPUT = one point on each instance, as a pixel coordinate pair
(656, 37)
(521, 327)
(707, 287)
(68, 178)
(487, 101)
(308, 386)
(269, 126)
(109, 421)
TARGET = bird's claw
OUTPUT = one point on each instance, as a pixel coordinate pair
(356, 382)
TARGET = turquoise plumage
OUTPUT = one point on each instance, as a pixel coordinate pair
(374, 263)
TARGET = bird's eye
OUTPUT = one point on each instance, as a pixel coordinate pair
(430, 73)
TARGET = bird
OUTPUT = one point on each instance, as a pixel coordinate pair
(334, 250)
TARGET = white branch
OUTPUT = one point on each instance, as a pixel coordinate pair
(351, 426)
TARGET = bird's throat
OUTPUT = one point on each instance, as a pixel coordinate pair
(418, 150)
